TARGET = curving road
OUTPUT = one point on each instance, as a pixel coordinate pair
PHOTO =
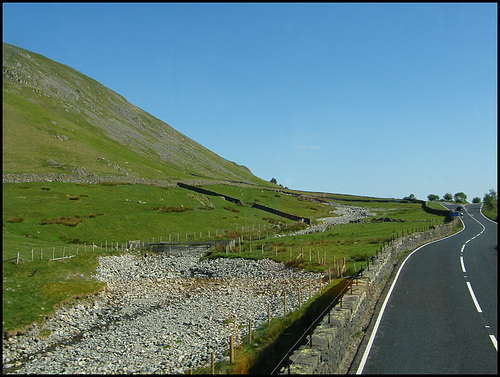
(438, 312)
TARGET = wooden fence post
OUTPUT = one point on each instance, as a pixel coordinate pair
(17, 258)
(32, 255)
(285, 303)
(231, 350)
(213, 363)
(41, 253)
(249, 331)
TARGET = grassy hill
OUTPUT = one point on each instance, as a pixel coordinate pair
(57, 120)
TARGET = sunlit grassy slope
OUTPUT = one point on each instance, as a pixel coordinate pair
(53, 113)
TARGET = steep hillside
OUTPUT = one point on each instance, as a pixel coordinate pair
(57, 120)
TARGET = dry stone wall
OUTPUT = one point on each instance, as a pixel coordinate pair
(334, 339)
(97, 179)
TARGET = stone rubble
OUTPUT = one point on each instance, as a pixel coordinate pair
(163, 314)
(347, 214)
(159, 314)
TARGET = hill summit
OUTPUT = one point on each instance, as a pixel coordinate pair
(57, 120)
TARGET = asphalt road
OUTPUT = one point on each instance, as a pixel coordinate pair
(438, 312)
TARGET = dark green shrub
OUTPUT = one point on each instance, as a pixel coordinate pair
(232, 234)
(15, 220)
(70, 240)
(207, 208)
(68, 221)
(295, 263)
(109, 183)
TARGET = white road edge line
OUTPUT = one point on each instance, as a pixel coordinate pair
(494, 341)
(462, 263)
(474, 298)
(381, 313)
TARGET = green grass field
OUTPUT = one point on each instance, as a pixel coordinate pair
(491, 212)
(354, 242)
(116, 213)
(46, 219)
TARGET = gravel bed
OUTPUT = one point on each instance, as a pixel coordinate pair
(160, 314)
(346, 214)
(163, 314)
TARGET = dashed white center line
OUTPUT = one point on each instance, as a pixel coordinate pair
(494, 341)
(474, 298)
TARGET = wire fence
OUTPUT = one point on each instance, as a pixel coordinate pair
(233, 359)
(64, 252)
(237, 344)
(307, 335)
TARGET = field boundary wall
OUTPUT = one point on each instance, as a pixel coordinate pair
(334, 339)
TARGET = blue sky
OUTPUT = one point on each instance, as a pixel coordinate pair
(382, 100)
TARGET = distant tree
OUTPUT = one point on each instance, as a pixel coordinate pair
(491, 199)
(432, 197)
(447, 196)
(460, 197)
(477, 199)
(274, 181)
(410, 197)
